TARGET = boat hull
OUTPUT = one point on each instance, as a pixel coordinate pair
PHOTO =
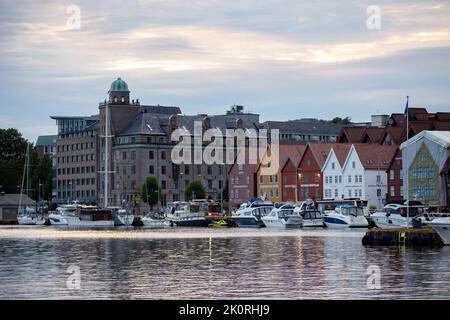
(28, 220)
(336, 222)
(291, 223)
(190, 222)
(156, 223)
(442, 228)
(248, 222)
(392, 221)
(123, 219)
(77, 222)
(57, 219)
(311, 223)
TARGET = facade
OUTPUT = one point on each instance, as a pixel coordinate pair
(333, 187)
(310, 180)
(46, 145)
(241, 183)
(363, 174)
(271, 186)
(289, 181)
(9, 206)
(426, 156)
(395, 179)
(76, 159)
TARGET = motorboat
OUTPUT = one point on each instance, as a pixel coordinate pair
(398, 215)
(311, 216)
(122, 217)
(283, 217)
(442, 228)
(91, 216)
(150, 221)
(62, 212)
(250, 213)
(187, 214)
(346, 216)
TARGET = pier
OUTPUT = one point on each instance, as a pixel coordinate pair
(423, 237)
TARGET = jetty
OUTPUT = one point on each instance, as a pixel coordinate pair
(423, 237)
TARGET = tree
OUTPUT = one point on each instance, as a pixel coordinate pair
(13, 149)
(345, 121)
(42, 174)
(195, 188)
(149, 191)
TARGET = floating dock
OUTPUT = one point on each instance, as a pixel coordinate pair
(419, 237)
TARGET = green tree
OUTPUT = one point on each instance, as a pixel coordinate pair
(12, 158)
(195, 188)
(343, 121)
(149, 191)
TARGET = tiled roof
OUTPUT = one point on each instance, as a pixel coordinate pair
(353, 134)
(396, 133)
(320, 151)
(375, 134)
(441, 125)
(375, 156)
(303, 126)
(341, 151)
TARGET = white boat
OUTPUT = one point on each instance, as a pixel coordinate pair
(283, 217)
(149, 221)
(59, 217)
(311, 217)
(346, 216)
(89, 216)
(30, 217)
(249, 214)
(122, 217)
(187, 214)
(395, 215)
(442, 228)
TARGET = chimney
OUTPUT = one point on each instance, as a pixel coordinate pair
(379, 120)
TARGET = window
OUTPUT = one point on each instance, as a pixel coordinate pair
(378, 178)
(163, 169)
(349, 193)
(124, 155)
(423, 157)
(260, 179)
(209, 184)
(186, 169)
(133, 155)
(401, 174)
(353, 164)
(151, 155)
(241, 167)
(336, 179)
(340, 179)
(163, 155)
(163, 184)
(308, 162)
(392, 191)
(220, 184)
(276, 179)
(133, 169)
(332, 165)
(276, 192)
(271, 179)
(349, 179)
(336, 194)
(391, 175)
(209, 172)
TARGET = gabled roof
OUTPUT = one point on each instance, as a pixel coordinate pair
(375, 134)
(319, 150)
(440, 137)
(352, 134)
(340, 151)
(442, 116)
(441, 125)
(396, 133)
(303, 126)
(373, 157)
(287, 152)
(399, 152)
(418, 127)
(398, 119)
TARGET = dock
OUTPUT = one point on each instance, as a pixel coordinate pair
(418, 237)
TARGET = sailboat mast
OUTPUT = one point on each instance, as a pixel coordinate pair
(23, 180)
(106, 155)
(406, 161)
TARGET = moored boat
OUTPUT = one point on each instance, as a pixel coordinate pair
(187, 214)
(250, 213)
(442, 228)
(283, 217)
(398, 215)
(346, 216)
(91, 216)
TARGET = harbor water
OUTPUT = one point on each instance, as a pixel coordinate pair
(188, 263)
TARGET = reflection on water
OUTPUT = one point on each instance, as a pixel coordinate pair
(213, 264)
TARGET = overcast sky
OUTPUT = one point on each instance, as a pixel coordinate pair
(282, 59)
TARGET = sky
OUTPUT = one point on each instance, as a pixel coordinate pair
(282, 59)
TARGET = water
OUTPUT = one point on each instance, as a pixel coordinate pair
(213, 264)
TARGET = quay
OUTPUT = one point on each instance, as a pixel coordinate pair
(425, 237)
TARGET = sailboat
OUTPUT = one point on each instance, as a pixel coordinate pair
(27, 215)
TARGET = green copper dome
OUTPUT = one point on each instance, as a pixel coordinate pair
(119, 85)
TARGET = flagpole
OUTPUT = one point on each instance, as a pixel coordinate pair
(406, 162)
